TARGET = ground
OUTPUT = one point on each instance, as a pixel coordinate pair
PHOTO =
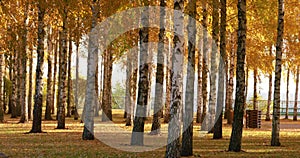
(67, 143)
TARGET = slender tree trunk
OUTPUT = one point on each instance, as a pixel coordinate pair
(269, 98)
(134, 80)
(63, 71)
(23, 69)
(1, 88)
(255, 89)
(168, 86)
(150, 73)
(173, 147)
(204, 119)
(29, 100)
(287, 95)
(4, 93)
(107, 90)
(231, 84)
(247, 82)
(49, 81)
(276, 106)
(101, 83)
(76, 116)
(18, 75)
(237, 126)
(88, 116)
(199, 88)
(59, 73)
(221, 80)
(69, 98)
(56, 53)
(188, 115)
(270, 92)
(227, 87)
(246, 85)
(296, 96)
(128, 102)
(13, 94)
(213, 67)
(137, 137)
(38, 99)
(159, 84)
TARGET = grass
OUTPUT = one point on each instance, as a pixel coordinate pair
(67, 143)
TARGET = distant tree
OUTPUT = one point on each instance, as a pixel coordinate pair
(287, 94)
(255, 76)
(1, 88)
(296, 95)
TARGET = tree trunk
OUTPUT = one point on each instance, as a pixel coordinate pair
(221, 81)
(13, 90)
(287, 95)
(173, 146)
(49, 81)
(23, 69)
(159, 83)
(30, 78)
(56, 53)
(69, 78)
(76, 116)
(63, 73)
(18, 75)
(255, 89)
(246, 85)
(270, 92)
(188, 115)
(134, 80)
(107, 91)
(1, 88)
(237, 126)
(213, 67)
(88, 116)
(128, 102)
(4, 93)
(137, 137)
(231, 84)
(227, 87)
(269, 98)
(296, 96)
(204, 119)
(276, 106)
(38, 99)
(199, 88)
(150, 73)
(168, 86)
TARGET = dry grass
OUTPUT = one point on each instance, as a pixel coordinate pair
(67, 143)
